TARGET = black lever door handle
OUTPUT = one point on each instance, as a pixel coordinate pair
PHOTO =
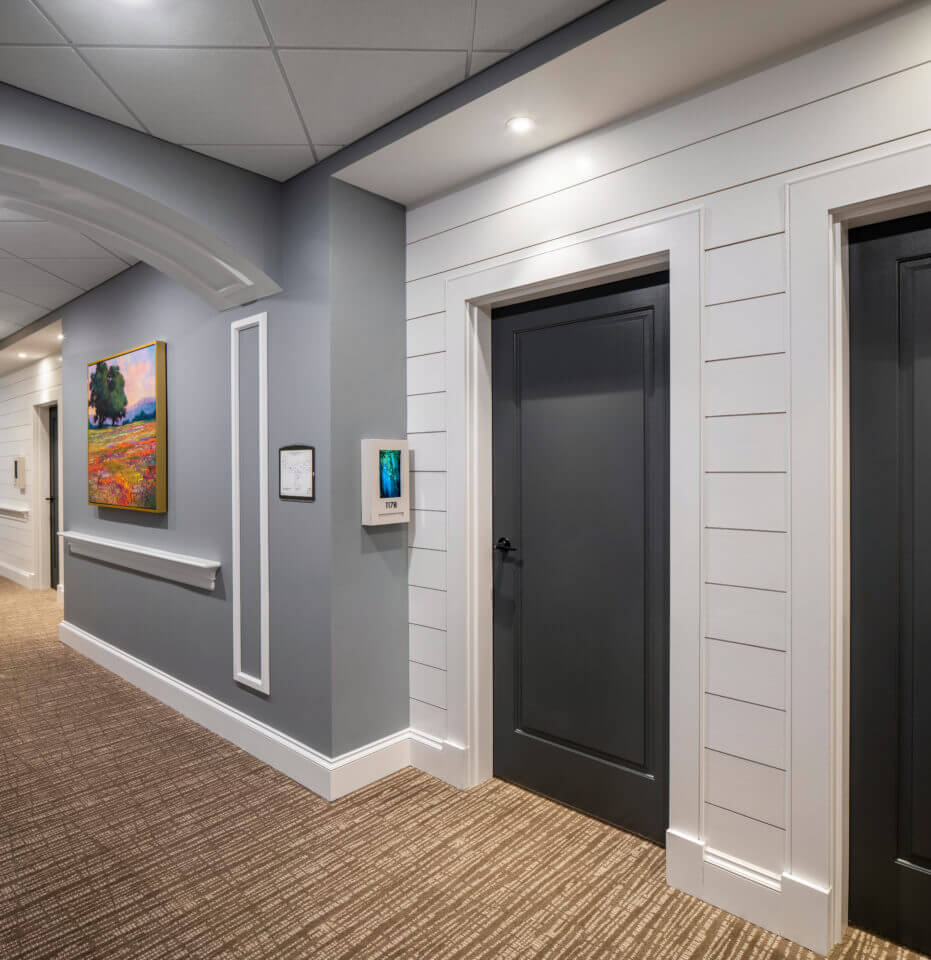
(504, 545)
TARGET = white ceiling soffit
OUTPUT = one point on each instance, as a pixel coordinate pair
(658, 56)
(31, 347)
(106, 216)
(269, 85)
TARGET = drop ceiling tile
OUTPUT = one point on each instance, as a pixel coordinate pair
(512, 25)
(21, 22)
(345, 94)
(203, 96)
(17, 313)
(82, 273)
(483, 59)
(403, 24)
(28, 282)
(213, 23)
(279, 162)
(43, 240)
(325, 150)
(59, 74)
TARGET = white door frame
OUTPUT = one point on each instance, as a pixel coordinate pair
(673, 241)
(819, 211)
(40, 489)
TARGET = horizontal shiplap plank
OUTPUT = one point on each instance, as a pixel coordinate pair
(741, 444)
(746, 328)
(746, 501)
(754, 268)
(746, 730)
(425, 296)
(746, 558)
(427, 529)
(428, 491)
(428, 719)
(428, 646)
(750, 788)
(427, 607)
(744, 615)
(428, 451)
(751, 674)
(427, 568)
(426, 413)
(749, 840)
(426, 334)
(428, 684)
(749, 385)
(741, 213)
(426, 374)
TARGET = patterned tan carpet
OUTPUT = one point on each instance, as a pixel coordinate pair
(127, 831)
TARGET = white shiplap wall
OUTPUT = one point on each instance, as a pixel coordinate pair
(730, 151)
(38, 383)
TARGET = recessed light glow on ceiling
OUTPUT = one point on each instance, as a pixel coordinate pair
(22, 356)
(520, 124)
(61, 336)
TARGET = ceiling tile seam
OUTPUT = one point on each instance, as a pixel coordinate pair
(471, 50)
(22, 299)
(253, 47)
(87, 64)
(52, 273)
(260, 13)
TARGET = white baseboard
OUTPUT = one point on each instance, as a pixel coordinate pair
(23, 577)
(441, 759)
(329, 777)
(61, 595)
(783, 904)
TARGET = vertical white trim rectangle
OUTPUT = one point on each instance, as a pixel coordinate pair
(260, 320)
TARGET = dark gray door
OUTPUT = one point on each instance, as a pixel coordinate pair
(53, 495)
(581, 494)
(890, 527)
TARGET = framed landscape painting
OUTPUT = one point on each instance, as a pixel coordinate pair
(126, 417)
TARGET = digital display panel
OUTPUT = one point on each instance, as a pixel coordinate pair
(389, 474)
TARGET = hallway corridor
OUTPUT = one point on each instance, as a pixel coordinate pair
(128, 831)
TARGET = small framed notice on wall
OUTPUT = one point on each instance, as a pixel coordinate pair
(296, 470)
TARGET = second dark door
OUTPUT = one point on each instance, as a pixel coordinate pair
(581, 495)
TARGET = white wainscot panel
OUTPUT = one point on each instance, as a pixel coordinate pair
(425, 296)
(428, 684)
(426, 334)
(746, 558)
(427, 607)
(427, 529)
(746, 730)
(745, 615)
(746, 501)
(749, 840)
(428, 719)
(427, 568)
(426, 413)
(750, 385)
(429, 491)
(428, 451)
(750, 788)
(746, 328)
(426, 374)
(756, 443)
(742, 270)
(751, 674)
(428, 646)
(752, 210)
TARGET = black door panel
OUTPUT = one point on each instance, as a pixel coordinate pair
(581, 489)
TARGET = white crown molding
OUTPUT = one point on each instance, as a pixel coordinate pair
(191, 571)
(329, 777)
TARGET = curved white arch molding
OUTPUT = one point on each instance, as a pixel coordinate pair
(118, 216)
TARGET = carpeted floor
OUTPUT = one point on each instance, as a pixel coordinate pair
(128, 831)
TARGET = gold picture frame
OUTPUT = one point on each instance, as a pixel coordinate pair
(126, 430)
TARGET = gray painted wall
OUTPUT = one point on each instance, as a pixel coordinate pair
(370, 640)
(338, 595)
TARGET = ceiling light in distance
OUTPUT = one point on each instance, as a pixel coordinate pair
(61, 336)
(520, 124)
(22, 356)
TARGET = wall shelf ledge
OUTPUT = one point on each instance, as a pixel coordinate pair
(177, 567)
(14, 511)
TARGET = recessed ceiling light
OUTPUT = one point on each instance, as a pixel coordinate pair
(520, 124)
(22, 356)
(61, 336)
